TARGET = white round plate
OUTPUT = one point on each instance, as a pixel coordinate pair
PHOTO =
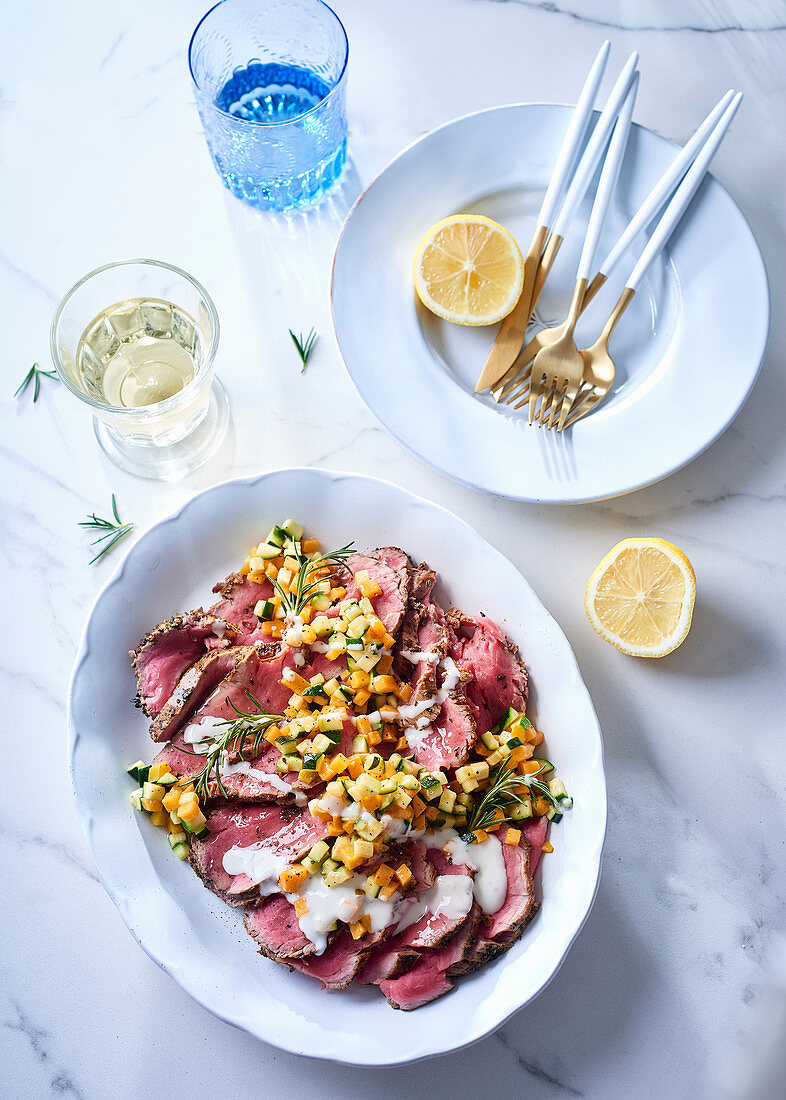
(687, 351)
(187, 930)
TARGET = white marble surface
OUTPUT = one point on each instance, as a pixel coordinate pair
(103, 158)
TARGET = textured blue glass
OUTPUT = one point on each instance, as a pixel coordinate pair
(270, 82)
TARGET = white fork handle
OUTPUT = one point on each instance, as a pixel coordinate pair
(665, 185)
(599, 137)
(683, 195)
(607, 182)
(574, 136)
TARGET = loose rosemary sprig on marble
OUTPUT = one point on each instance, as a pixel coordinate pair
(304, 347)
(113, 532)
(243, 735)
(305, 589)
(34, 375)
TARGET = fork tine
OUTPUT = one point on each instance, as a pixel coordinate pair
(512, 374)
(557, 403)
(549, 396)
(521, 389)
(535, 391)
(571, 392)
(584, 406)
(524, 358)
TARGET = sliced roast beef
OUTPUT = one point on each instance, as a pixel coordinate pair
(239, 597)
(519, 905)
(422, 582)
(169, 649)
(274, 925)
(430, 977)
(496, 677)
(391, 569)
(220, 682)
(193, 688)
(385, 962)
(255, 780)
(534, 831)
(256, 678)
(499, 931)
(420, 666)
(340, 962)
(287, 833)
(447, 741)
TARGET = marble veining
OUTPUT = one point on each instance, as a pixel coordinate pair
(680, 954)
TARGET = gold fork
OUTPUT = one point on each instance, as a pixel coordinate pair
(558, 369)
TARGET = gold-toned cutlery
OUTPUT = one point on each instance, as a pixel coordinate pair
(510, 337)
(514, 386)
(599, 367)
(557, 368)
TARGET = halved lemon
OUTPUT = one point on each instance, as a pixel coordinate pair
(469, 269)
(641, 596)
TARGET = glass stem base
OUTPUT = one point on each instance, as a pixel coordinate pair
(177, 460)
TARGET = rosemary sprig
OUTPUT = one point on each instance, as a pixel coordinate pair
(243, 735)
(113, 532)
(34, 375)
(305, 589)
(304, 347)
(499, 795)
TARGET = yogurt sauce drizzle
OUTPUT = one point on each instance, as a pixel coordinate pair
(203, 734)
(326, 904)
(450, 894)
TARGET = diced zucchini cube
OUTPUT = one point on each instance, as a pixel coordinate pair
(335, 878)
(293, 529)
(448, 800)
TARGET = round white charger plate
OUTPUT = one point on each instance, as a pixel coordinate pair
(687, 351)
(183, 927)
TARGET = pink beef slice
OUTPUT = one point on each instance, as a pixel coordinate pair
(219, 679)
(169, 649)
(422, 582)
(447, 740)
(391, 569)
(274, 925)
(496, 677)
(399, 953)
(498, 932)
(239, 597)
(258, 677)
(519, 905)
(431, 975)
(287, 832)
(195, 686)
(340, 962)
(394, 957)
(431, 639)
(534, 831)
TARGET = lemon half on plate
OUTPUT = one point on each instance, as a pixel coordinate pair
(468, 269)
(640, 598)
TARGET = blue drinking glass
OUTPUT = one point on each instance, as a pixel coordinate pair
(270, 80)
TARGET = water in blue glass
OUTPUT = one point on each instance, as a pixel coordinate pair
(293, 146)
